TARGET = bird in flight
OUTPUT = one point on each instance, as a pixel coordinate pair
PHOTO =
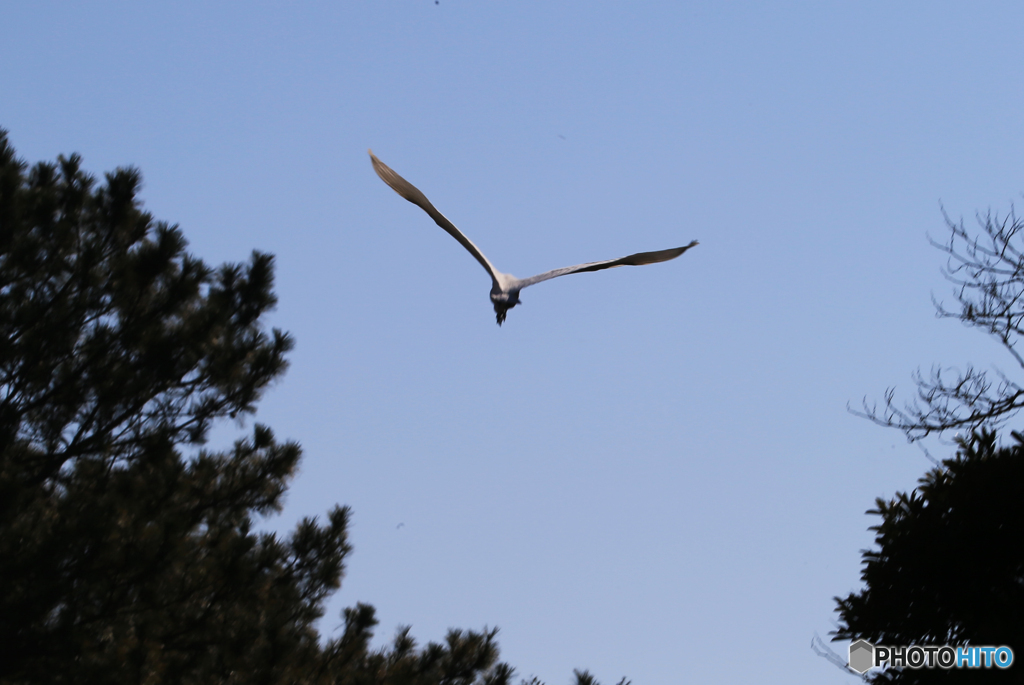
(505, 287)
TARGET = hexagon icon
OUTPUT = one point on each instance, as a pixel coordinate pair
(862, 655)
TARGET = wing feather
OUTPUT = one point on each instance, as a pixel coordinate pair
(638, 259)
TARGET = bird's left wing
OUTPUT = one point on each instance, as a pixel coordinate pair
(638, 259)
(415, 196)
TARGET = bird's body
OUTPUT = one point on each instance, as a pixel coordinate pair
(505, 287)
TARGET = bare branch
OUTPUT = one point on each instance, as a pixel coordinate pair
(987, 271)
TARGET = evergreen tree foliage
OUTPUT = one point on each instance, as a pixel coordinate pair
(128, 551)
(948, 567)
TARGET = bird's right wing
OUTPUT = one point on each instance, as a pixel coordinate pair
(413, 195)
(638, 259)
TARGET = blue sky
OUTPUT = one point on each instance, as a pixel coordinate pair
(645, 471)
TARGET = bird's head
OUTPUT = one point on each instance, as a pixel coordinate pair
(504, 301)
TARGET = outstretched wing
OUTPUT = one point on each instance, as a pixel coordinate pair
(638, 259)
(413, 195)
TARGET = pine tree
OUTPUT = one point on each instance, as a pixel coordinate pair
(128, 551)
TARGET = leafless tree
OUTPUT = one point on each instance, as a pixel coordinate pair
(987, 271)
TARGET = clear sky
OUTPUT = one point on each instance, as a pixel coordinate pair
(647, 471)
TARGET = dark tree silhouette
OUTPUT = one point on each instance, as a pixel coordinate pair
(948, 567)
(988, 273)
(127, 549)
(585, 678)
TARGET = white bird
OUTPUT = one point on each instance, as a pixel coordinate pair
(505, 287)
